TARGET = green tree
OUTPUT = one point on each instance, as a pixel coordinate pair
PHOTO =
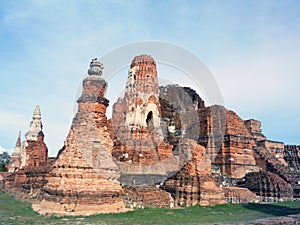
(4, 161)
(3, 167)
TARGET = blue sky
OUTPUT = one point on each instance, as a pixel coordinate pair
(251, 47)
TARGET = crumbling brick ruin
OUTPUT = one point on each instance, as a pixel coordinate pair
(163, 147)
(83, 180)
(30, 165)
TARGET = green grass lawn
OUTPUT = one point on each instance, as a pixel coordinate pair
(16, 212)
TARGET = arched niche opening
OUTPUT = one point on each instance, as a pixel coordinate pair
(149, 120)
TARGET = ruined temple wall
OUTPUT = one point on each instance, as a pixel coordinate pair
(260, 161)
(239, 195)
(268, 186)
(235, 125)
(273, 149)
(254, 126)
(292, 156)
(28, 182)
(228, 141)
(146, 196)
(193, 184)
(212, 129)
(237, 157)
(242, 148)
(36, 152)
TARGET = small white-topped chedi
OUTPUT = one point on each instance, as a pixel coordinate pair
(35, 125)
(32, 135)
(15, 160)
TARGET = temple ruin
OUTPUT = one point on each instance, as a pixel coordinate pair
(163, 147)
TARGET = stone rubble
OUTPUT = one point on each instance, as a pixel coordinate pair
(194, 184)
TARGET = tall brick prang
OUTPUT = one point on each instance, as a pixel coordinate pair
(84, 178)
(137, 117)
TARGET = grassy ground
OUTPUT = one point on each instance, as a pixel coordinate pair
(15, 212)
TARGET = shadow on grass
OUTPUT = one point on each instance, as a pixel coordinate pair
(275, 210)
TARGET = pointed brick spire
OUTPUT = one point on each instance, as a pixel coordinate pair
(17, 149)
(18, 143)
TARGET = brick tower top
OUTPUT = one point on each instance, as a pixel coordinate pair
(94, 86)
(96, 67)
(142, 104)
(146, 64)
(142, 76)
